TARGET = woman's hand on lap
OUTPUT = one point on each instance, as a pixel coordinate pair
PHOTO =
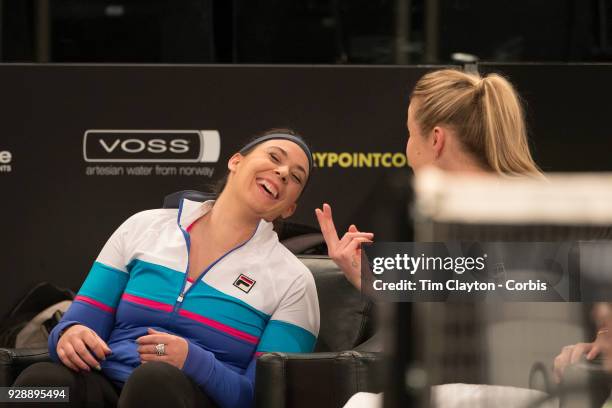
(176, 348)
(80, 348)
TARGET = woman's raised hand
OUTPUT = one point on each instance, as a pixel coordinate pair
(345, 252)
(76, 345)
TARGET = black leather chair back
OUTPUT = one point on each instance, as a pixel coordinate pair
(342, 366)
(347, 317)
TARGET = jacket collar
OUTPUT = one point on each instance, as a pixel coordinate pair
(190, 211)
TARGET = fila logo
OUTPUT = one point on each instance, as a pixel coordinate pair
(170, 146)
(244, 283)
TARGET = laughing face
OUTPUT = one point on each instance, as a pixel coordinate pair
(270, 178)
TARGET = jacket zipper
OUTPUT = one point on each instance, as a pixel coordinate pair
(183, 293)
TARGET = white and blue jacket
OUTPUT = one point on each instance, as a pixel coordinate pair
(256, 298)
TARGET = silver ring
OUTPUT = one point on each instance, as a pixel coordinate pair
(160, 349)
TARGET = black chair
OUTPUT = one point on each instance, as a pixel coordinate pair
(14, 361)
(347, 357)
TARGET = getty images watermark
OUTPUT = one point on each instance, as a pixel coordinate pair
(489, 271)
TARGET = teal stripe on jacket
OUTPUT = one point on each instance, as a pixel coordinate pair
(216, 305)
(154, 282)
(286, 337)
(104, 284)
(162, 284)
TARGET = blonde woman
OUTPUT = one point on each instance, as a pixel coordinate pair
(457, 122)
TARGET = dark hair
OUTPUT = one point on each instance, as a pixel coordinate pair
(218, 187)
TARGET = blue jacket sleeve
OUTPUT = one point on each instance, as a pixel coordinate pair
(296, 333)
(225, 386)
(95, 303)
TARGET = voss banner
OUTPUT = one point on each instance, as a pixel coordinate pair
(151, 146)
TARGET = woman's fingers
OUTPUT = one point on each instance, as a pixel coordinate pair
(153, 339)
(561, 361)
(350, 236)
(594, 352)
(346, 251)
(352, 254)
(95, 344)
(578, 351)
(65, 360)
(354, 246)
(572, 355)
(80, 348)
(335, 245)
(329, 228)
(150, 339)
(147, 349)
(152, 357)
(73, 356)
(351, 261)
(107, 350)
(326, 222)
(85, 354)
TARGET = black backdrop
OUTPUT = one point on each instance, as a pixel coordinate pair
(569, 109)
(54, 217)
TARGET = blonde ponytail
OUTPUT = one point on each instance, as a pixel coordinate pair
(485, 113)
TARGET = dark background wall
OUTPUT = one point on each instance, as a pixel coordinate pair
(568, 108)
(55, 215)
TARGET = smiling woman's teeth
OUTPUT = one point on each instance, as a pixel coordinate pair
(269, 189)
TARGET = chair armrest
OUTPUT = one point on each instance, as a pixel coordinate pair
(374, 344)
(14, 361)
(318, 380)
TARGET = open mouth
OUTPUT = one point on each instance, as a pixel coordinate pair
(268, 188)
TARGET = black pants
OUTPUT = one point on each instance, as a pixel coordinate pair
(153, 384)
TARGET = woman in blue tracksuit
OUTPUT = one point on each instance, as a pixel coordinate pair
(179, 303)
